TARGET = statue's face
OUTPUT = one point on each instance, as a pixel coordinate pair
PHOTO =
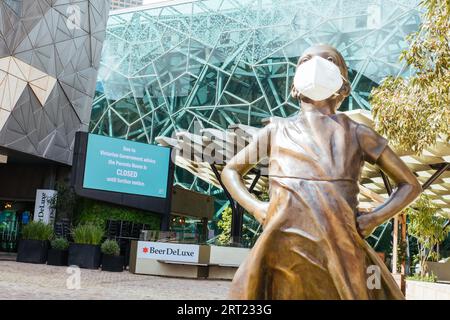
(326, 53)
(329, 53)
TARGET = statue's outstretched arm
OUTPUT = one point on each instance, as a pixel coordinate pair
(408, 188)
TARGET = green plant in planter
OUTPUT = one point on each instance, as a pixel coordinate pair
(88, 234)
(37, 230)
(60, 244)
(110, 247)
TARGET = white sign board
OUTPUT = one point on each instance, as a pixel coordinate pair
(42, 210)
(168, 251)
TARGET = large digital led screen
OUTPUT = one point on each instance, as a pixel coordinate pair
(124, 166)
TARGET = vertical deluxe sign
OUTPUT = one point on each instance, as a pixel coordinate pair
(42, 210)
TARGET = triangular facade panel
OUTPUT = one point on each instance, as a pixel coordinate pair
(42, 43)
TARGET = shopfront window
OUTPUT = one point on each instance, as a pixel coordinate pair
(12, 216)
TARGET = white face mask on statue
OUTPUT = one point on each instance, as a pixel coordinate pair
(318, 79)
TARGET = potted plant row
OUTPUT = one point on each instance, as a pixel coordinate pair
(58, 254)
(33, 246)
(85, 251)
(37, 246)
(111, 259)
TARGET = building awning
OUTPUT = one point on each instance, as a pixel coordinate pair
(194, 154)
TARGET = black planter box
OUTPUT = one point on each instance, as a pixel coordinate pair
(32, 251)
(112, 263)
(84, 255)
(57, 257)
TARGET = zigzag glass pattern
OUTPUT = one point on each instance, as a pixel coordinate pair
(224, 62)
(221, 62)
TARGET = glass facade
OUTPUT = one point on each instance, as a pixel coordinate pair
(224, 62)
(119, 4)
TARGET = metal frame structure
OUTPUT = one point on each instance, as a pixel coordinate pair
(217, 63)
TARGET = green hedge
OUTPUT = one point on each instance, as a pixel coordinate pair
(97, 212)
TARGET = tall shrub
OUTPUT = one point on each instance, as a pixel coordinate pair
(427, 225)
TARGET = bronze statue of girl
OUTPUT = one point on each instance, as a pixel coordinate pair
(312, 245)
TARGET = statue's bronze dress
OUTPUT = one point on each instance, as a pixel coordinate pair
(310, 247)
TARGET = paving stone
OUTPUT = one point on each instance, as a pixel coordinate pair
(34, 281)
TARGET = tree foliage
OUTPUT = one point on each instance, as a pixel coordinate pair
(427, 226)
(414, 112)
(225, 225)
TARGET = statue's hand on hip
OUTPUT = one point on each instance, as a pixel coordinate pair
(366, 224)
(260, 212)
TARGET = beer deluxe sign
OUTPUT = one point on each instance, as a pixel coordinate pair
(168, 251)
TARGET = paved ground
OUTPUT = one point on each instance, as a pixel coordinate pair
(31, 281)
